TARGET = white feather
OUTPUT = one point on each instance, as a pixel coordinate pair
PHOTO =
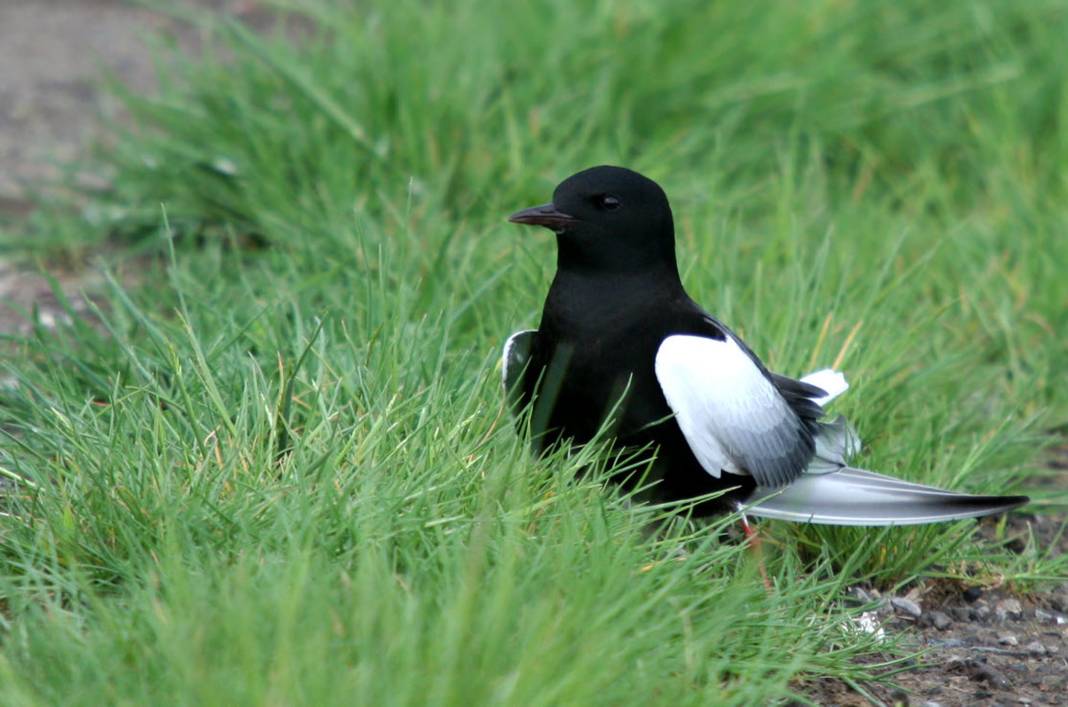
(830, 380)
(721, 399)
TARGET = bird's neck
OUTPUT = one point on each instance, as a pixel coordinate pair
(654, 258)
(580, 299)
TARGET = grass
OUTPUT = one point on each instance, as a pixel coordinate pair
(279, 470)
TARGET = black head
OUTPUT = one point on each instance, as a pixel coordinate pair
(608, 219)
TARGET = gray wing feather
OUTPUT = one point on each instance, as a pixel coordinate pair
(864, 498)
(773, 456)
(836, 443)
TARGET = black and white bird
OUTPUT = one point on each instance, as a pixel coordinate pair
(621, 344)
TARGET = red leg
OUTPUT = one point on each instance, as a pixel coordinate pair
(755, 544)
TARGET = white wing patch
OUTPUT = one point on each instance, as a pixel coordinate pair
(732, 416)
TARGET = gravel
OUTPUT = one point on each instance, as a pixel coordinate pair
(940, 620)
(976, 646)
(906, 606)
(1035, 648)
(1008, 609)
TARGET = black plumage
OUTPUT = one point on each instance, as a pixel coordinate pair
(621, 343)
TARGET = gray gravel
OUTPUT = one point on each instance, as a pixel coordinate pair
(907, 606)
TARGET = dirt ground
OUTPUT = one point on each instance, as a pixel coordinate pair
(979, 647)
(52, 54)
(51, 107)
(976, 646)
(49, 102)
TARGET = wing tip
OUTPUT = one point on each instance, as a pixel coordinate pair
(1011, 502)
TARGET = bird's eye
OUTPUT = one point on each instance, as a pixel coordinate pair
(607, 201)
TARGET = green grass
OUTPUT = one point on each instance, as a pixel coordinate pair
(280, 471)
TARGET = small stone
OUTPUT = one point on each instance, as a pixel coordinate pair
(1050, 617)
(1035, 648)
(931, 703)
(972, 593)
(981, 612)
(940, 620)
(960, 613)
(1008, 609)
(1007, 639)
(859, 596)
(984, 673)
(907, 606)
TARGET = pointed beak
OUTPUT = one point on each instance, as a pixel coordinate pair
(545, 215)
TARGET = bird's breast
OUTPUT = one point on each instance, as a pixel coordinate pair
(597, 345)
(589, 380)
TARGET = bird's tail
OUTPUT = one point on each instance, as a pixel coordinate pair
(831, 492)
(853, 496)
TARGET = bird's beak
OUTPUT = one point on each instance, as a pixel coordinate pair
(545, 215)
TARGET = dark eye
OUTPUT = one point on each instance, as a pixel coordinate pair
(608, 202)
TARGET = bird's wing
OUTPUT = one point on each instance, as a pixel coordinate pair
(836, 441)
(514, 361)
(733, 416)
(859, 497)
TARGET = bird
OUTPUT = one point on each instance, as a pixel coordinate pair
(623, 351)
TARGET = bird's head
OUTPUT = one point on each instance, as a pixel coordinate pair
(606, 220)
